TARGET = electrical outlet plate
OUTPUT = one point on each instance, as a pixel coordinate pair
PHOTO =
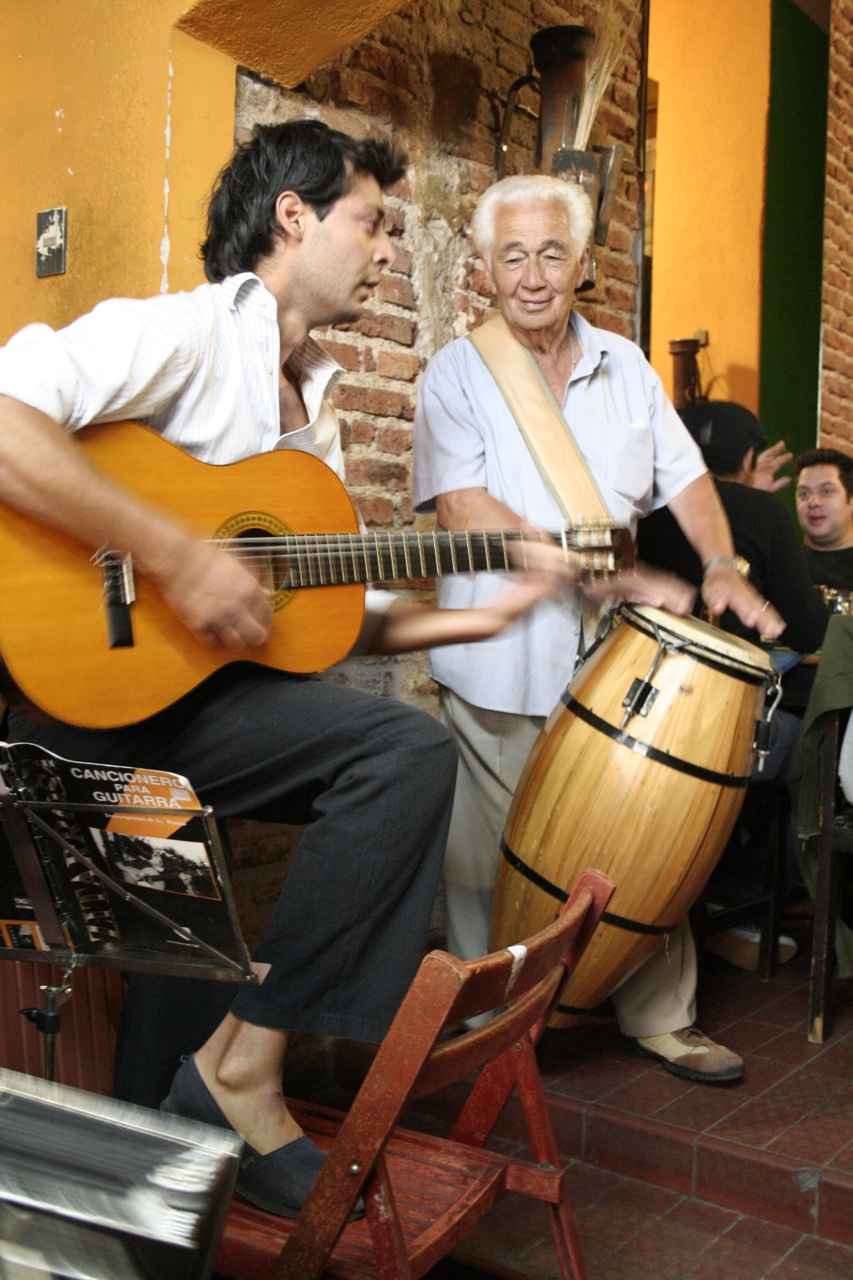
(51, 225)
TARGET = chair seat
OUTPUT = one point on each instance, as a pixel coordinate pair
(434, 1180)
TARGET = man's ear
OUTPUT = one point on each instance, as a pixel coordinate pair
(583, 265)
(291, 211)
(748, 463)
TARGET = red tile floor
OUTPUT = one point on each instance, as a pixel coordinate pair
(668, 1179)
(693, 1182)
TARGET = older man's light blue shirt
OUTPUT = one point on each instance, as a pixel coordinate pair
(638, 450)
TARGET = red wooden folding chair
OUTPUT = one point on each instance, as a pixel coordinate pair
(423, 1193)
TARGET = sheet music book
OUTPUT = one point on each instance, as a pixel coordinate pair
(126, 862)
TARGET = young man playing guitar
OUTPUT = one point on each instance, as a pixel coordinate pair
(296, 239)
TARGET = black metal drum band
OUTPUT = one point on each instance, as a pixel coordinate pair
(554, 891)
(652, 753)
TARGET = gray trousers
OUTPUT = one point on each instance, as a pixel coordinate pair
(375, 779)
(493, 747)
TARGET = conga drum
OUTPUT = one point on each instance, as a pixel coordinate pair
(640, 771)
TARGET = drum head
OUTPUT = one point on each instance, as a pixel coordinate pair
(699, 635)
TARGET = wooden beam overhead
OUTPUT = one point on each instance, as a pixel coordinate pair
(284, 40)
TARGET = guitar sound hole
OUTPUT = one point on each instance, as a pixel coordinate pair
(268, 563)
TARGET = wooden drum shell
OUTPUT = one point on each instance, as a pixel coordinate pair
(652, 804)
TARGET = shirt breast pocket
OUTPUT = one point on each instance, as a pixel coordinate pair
(631, 462)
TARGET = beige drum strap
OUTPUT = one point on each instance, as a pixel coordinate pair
(540, 421)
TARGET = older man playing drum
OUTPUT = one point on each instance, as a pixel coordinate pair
(479, 464)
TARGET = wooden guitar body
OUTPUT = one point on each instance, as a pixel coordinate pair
(53, 625)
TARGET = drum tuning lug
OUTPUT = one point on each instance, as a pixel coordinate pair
(639, 700)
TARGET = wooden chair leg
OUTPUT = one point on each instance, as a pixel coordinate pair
(826, 884)
(823, 941)
(476, 1121)
(566, 1241)
(774, 875)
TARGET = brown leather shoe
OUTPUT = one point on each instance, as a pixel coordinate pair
(691, 1054)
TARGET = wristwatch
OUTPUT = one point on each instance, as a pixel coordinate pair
(738, 563)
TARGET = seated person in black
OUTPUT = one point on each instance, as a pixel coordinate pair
(730, 436)
(824, 496)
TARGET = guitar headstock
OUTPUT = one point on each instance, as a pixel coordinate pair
(605, 546)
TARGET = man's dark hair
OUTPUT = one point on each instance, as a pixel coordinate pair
(304, 156)
(827, 458)
(723, 431)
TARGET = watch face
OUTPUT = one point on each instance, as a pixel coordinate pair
(741, 566)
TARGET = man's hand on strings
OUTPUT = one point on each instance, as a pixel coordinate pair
(217, 597)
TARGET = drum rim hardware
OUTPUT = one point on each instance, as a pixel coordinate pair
(761, 742)
(640, 698)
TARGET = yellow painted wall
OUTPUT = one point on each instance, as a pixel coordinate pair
(711, 59)
(106, 109)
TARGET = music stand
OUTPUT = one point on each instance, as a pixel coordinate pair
(111, 866)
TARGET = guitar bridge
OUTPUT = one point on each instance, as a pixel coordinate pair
(119, 595)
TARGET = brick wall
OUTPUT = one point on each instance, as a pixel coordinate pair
(836, 407)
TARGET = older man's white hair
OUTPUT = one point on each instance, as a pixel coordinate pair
(532, 189)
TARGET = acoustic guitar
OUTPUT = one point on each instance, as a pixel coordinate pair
(94, 644)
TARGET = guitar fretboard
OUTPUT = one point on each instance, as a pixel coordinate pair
(322, 560)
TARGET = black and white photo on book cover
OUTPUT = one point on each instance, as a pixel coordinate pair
(109, 840)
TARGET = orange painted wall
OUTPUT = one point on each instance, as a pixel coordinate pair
(106, 109)
(711, 59)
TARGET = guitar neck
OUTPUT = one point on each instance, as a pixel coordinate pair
(320, 560)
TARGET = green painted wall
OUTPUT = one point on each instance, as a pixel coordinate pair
(793, 230)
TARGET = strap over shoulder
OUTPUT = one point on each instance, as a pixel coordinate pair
(540, 420)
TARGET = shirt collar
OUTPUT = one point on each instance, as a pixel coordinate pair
(317, 371)
(594, 342)
(246, 287)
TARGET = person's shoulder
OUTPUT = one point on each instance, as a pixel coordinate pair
(451, 359)
(199, 314)
(201, 301)
(205, 300)
(618, 344)
(735, 494)
(614, 344)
